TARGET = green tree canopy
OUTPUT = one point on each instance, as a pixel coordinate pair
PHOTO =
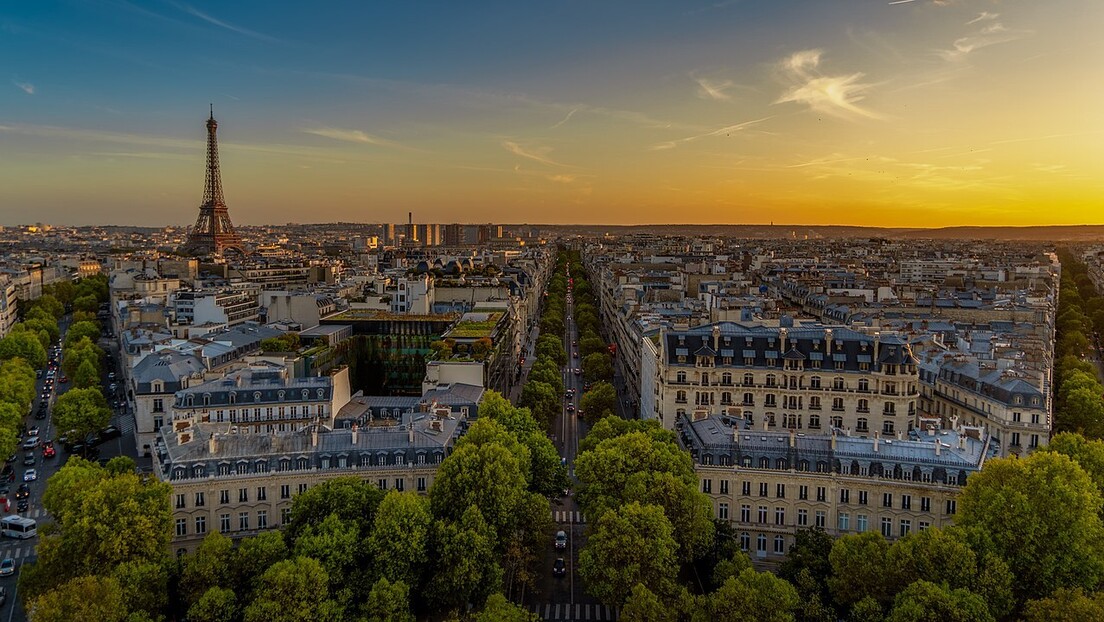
(1050, 534)
(215, 605)
(598, 367)
(753, 597)
(79, 412)
(924, 601)
(388, 602)
(631, 544)
(86, 376)
(294, 590)
(466, 566)
(24, 345)
(860, 569)
(350, 498)
(599, 402)
(80, 330)
(399, 541)
(1066, 605)
(498, 609)
(82, 598)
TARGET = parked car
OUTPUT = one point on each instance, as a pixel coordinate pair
(561, 540)
(109, 432)
(559, 568)
(7, 567)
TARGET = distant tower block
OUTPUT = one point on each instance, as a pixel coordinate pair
(213, 233)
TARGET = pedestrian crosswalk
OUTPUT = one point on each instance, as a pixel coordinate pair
(566, 612)
(568, 516)
(18, 551)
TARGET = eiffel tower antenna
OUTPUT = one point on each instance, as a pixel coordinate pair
(213, 232)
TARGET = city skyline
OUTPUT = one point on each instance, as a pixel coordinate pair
(911, 113)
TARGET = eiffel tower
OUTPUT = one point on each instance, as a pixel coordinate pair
(213, 232)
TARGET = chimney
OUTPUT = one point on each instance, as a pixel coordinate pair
(735, 435)
(876, 439)
(877, 342)
(938, 448)
(793, 438)
(410, 434)
(900, 435)
(765, 421)
(782, 332)
(355, 430)
(931, 430)
(716, 338)
(314, 435)
(828, 343)
(962, 441)
(212, 444)
(833, 440)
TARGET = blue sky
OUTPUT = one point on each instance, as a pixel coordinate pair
(859, 112)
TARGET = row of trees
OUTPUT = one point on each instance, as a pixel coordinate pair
(600, 400)
(348, 552)
(544, 388)
(1079, 398)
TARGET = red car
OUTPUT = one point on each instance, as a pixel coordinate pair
(49, 451)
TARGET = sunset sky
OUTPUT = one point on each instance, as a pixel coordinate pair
(909, 113)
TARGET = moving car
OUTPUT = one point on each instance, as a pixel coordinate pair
(571, 408)
(48, 451)
(110, 432)
(63, 380)
(29, 459)
(7, 567)
(559, 568)
(578, 371)
(33, 430)
(23, 491)
(30, 443)
(30, 475)
(561, 540)
(22, 506)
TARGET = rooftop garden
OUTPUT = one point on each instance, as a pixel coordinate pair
(376, 314)
(473, 329)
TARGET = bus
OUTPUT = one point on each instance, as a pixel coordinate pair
(18, 527)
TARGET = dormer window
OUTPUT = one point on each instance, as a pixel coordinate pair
(157, 386)
(256, 396)
(306, 394)
(280, 394)
(190, 400)
(321, 392)
(233, 397)
(206, 399)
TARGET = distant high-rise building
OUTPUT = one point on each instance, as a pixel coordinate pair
(452, 235)
(489, 232)
(389, 234)
(213, 232)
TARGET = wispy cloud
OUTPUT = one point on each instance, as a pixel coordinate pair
(722, 131)
(26, 87)
(570, 113)
(989, 32)
(194, 12)
(353, 136)
(715, 90)
(835, 95)
(536, 154)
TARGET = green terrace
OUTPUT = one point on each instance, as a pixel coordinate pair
(375, 314)
(475, 328)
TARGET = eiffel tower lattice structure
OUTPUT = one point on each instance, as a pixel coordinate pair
(213, 233)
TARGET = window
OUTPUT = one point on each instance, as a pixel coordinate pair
(707, 486)
(761, 543)
(262, 519)
(181, 527)
(803, 493)
(821, 518)
(680, 397)
(285, 515)
(745, 513)
(726, 378)
(722, 511)
(837, 384)
(887, 499)
(422, 484)
(1015, 439)
(381, 484)
(243, 521)
(199, 500)
(864, 406)
(158, 406)
(844, 521)
(779, 516)
(724, 486)
(201, 525)
(861, 425)
(1034, 441)
(746, 488)
(845, 495)
(762, 489)
(952, 505)
(887, 427)
(862, 497)
(864, 384)
(762, 514)
(262, 493)
(887, 527)
(158, 422)
(860, 523)
(400, 484)
(780, 491)
(726, 398)
(925, 504)
(302, 488)
(837, 404)
(224, 497)
(749, 399)
(285, 491)
(814, 402)
(922, 525)
(179, 501)
(814, 382)
(745, 541)
(779, 545)
(803, 518)
(906, 502)
(243, 495)
(680, 377)
(224, 523)
(822, 493)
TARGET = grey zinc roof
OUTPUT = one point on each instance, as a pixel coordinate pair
(167, 366)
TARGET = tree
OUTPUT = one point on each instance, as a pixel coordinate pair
(598, 367)
(210, 566)
(924, 601)
(1083, 411)
(77, 353)
(1066, 606)
(754, 597)
(350, 498)
(498, 609)
(87, 375)
(24, 345)
(466, 566)
(482, 348)
(542, 400)
(859, 568)
(294, 590)
(1088, 454)
(631, 544)
(79, 412)
(399, 540)
(35, 325)
(488, 469)
(79, 331)
(591, 345)
(83, 598)
(256, 555)
(807, 565)
(644, 606)
(690, 511)
(216, 605)
(87, 303)
(1051, 534)
(50, 305)
(388, 602)
(612, 427)
(599, 402)
(145, 587)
